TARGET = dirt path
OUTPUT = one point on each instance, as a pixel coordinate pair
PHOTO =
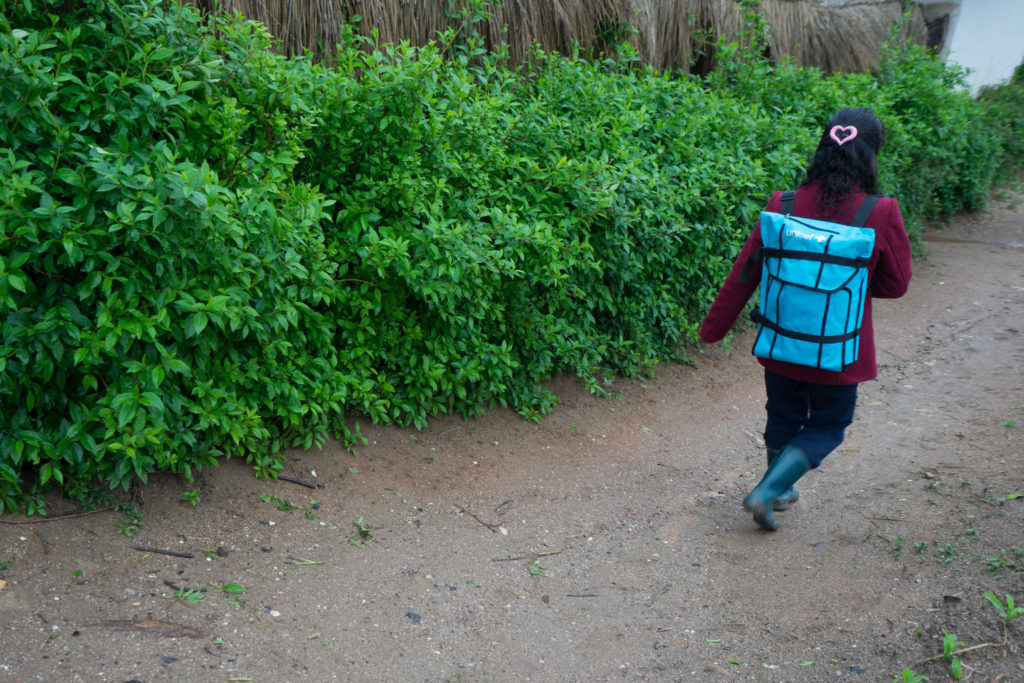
(607, 543)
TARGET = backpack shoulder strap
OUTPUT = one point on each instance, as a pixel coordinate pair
(787, 208)
(867, 205)
(787, 201)
(865, 209)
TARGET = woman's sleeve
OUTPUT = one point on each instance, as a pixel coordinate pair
(893, 270)
(735, 293)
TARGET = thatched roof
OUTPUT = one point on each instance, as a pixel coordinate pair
(835, 35)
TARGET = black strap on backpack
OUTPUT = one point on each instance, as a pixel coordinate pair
(787, 201)
(867, 205)
(863, 211)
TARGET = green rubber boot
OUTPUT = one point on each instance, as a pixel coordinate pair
(790, 496)
(784, 472)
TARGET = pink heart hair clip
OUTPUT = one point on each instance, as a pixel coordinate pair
(850, 132)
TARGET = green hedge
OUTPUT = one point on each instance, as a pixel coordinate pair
(1002, 107)
(163, 275)
(209, 249)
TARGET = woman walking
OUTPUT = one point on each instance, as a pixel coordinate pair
(808, 407)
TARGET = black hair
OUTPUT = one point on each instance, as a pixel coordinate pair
(840, 169)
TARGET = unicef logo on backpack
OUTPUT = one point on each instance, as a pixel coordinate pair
(793, 232)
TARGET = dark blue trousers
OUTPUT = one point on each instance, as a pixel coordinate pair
(810, 416)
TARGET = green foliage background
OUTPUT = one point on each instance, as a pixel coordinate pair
(208, 249)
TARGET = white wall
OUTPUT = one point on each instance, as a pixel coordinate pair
(988, 38)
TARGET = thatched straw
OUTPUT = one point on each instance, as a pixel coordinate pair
(668, 34)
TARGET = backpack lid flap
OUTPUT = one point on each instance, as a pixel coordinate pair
(814, 254)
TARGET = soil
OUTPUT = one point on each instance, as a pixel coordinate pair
(605, 543)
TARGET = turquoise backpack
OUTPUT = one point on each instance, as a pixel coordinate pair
(814, 281)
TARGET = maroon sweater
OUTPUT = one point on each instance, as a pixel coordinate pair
(888, 272)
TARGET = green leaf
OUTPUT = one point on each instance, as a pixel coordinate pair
(45, 472)
(150, 399)
(17, 281)
(8, 474)
(536, 570)
(179, 366)
(195, 324)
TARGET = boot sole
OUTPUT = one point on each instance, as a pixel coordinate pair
(782, 503)
(762, 513)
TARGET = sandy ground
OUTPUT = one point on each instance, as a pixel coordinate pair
(606, 543)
